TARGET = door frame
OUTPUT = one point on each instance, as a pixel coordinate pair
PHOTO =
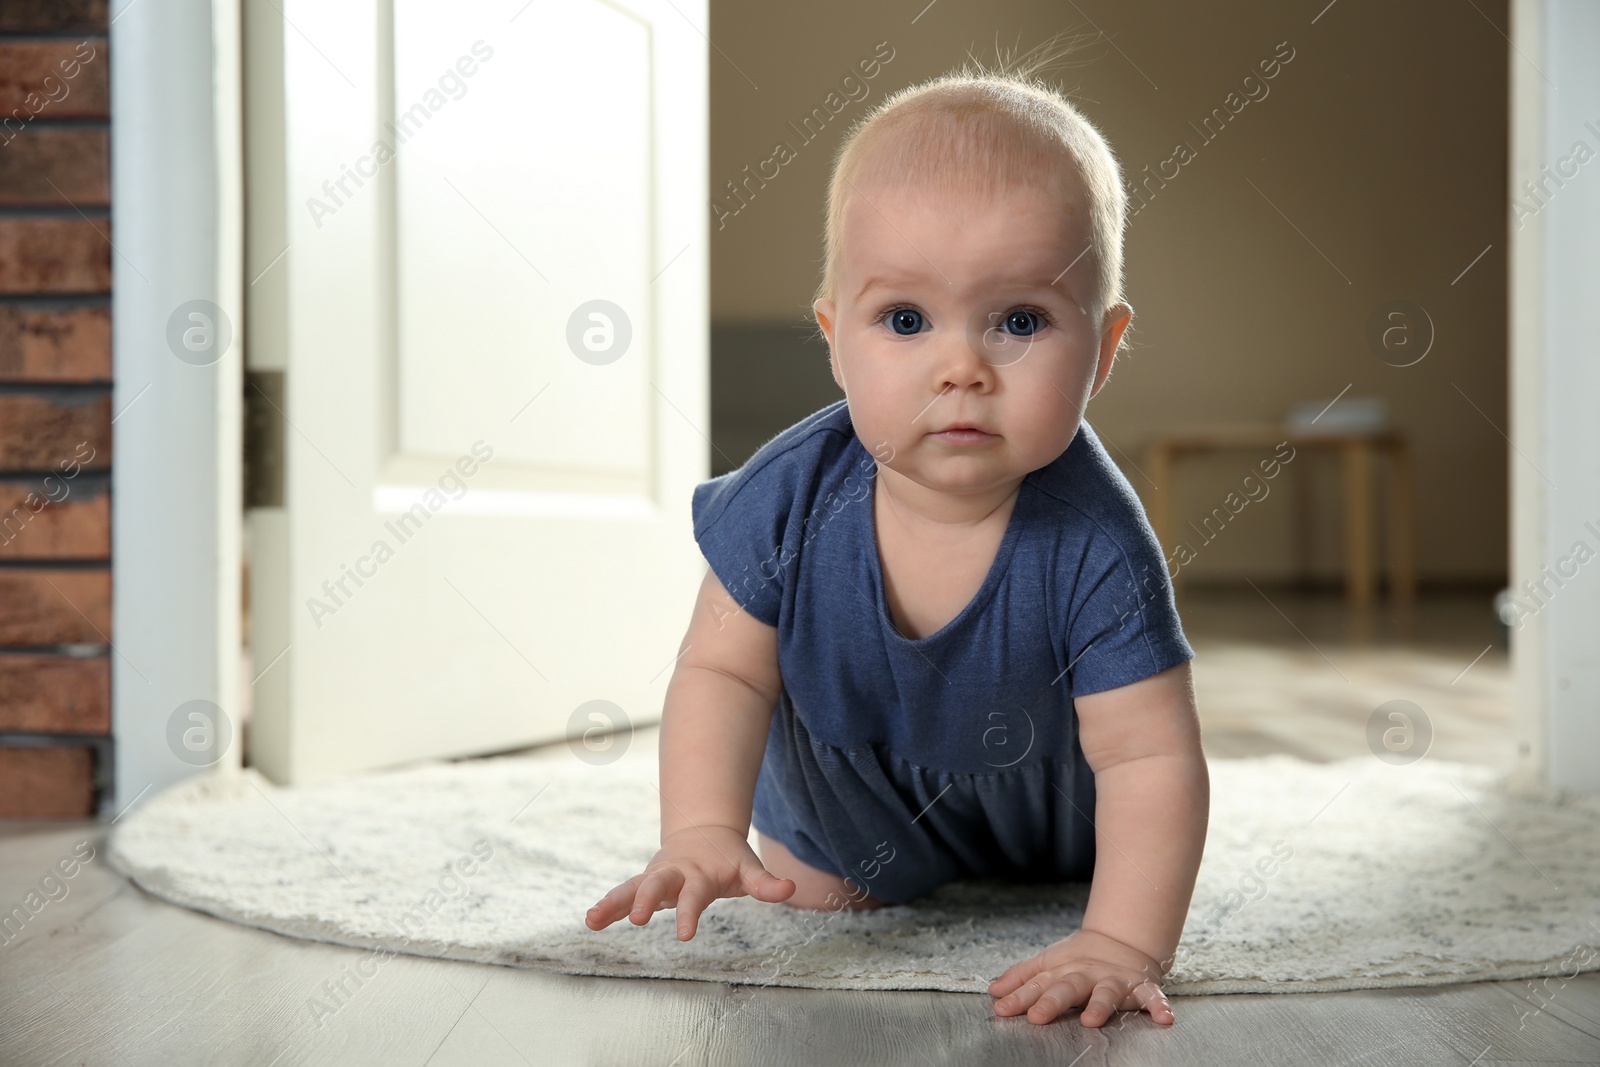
(177, 456)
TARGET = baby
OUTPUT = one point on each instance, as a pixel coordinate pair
(937, 639)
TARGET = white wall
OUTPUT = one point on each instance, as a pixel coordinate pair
(1555, 320)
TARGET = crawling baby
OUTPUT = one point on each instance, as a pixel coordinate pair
(937, 639)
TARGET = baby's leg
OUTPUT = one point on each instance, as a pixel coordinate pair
(813, 888)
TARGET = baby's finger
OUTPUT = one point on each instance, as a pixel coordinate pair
(1015, 975)
(1152, 1000)
(1045, 996)
(692, 901)
(763, 885)
(1108, 993)
(658, 890)
(614, 905)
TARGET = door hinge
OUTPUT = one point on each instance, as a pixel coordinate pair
(264, 421)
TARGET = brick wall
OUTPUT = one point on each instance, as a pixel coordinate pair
(55, 407)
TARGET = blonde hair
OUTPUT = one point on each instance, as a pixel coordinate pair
(980, 129)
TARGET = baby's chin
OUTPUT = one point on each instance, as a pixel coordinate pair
(959, 475)
(1013, 456)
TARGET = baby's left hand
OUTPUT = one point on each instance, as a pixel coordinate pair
(1087, 968)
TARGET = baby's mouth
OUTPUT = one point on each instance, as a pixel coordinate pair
(964, 433)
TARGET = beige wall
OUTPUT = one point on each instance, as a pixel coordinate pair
(1382, 144)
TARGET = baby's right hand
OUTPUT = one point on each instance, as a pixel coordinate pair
(693, 867)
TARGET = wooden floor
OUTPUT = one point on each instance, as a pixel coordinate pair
(108, 975)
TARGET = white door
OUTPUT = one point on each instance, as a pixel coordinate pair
(477, 254)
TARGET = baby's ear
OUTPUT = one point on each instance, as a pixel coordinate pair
(823, 309)
(1116, 321)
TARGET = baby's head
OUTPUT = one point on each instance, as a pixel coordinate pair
(973, 275)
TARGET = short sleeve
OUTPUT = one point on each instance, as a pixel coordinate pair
(740, 519)
(1123, 625)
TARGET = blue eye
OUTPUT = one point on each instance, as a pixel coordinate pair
(1022, 323)
(905, 321)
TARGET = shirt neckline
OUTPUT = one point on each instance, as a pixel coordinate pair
(991, 580)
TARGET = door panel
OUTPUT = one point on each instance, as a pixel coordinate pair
(485, 515)
(513, 209)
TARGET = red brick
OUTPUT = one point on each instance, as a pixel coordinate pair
(55, 79)
(55, 344)
(56, 166)
(60, 519)
(53, 782)
(55, 694)
(43, 608)
(42, 434)
(55, 255)
(42, 16)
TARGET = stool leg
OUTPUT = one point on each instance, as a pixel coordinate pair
(1402, 528)
(1358, 578)
(1301, 485)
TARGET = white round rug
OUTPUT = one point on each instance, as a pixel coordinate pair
(1349, 875)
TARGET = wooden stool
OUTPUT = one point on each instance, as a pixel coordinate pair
(1356, 451)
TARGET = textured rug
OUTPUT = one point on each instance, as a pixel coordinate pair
(1349, 875)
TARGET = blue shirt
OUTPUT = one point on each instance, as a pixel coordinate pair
(904, 763)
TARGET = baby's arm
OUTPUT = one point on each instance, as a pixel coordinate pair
(1152, 801)
(714, 726)
(717, 714)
